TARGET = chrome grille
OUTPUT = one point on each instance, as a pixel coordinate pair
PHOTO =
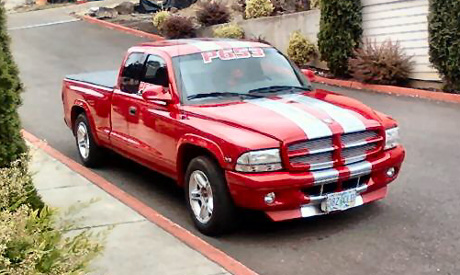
(319, 153)
(316, 161)
(312, 145)
(358, 137)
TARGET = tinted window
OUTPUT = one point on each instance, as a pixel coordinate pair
(156, 71)
(132, 71)
(235, 71)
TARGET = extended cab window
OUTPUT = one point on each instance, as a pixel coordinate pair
(132, 72)
(156, 71)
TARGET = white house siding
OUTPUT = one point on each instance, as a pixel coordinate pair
(405, 21)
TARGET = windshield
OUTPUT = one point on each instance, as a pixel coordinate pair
(234, 74)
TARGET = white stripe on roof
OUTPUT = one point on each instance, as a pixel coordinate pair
(206, 45)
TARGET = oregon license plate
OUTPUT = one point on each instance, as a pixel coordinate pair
(339, 201)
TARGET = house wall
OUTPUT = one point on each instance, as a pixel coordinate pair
(405, 21)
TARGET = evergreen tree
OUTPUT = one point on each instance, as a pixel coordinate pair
(340, 33)
(12, 146)
(444, 24)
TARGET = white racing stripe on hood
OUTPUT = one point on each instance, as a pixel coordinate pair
(349, 120)
(310, 125)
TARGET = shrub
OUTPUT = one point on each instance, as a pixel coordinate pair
(176, 26)
(300, 50)
(29, 244)
(340, 33)
(229, 31)
(444, 40)
(12, 146)
(212, 13)
(240, 6)
(258, 8)
(385, 64)
(159, 18)
(314, 4)
(30, 241)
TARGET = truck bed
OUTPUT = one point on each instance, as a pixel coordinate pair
(107, 79)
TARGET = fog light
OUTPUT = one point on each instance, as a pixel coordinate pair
(391, 172)
(269, 198)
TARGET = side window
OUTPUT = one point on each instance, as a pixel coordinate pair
(131, 74)
(156, 71)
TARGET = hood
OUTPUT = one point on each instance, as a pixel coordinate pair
(293, 117)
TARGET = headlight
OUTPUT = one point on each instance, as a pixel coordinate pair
(391, 138)
(259, 161)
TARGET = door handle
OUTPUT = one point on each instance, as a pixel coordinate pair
(132, 110)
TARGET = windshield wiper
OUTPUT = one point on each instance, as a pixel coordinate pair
(220, 94)
(276, 89)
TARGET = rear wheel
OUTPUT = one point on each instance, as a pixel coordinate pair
(90, 153)
(208, 199)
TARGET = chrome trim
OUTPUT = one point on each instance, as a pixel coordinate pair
(360, 169)
(326, 176)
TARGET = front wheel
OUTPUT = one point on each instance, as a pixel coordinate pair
(208, 199)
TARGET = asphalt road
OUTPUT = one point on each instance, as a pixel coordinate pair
(415, 230)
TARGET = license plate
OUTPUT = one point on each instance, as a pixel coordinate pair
(339, 201)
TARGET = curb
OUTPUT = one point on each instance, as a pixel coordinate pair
(386, 89)
(196, 243)
(121, 28)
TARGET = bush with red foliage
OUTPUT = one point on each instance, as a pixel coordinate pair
(176, 26)
(381, 64)
(212, 13)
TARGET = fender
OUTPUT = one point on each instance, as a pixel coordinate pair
(84, 105)
(199, 141)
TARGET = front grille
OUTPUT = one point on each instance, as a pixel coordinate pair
(326, 152)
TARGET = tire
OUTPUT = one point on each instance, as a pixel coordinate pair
(92, 156)
(222, 217)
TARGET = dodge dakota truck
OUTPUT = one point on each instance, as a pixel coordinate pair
(238, 126)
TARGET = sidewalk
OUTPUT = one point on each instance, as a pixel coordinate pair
(134, 245)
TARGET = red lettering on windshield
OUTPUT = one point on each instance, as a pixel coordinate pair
(208, 56)
(230, 54)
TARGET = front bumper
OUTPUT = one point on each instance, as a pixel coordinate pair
(249, 190)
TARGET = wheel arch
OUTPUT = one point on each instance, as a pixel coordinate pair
(192, 146)
(78, 108)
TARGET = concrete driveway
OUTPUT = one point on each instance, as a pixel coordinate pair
(414, 231)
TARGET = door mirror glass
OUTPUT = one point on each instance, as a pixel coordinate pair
(156, 93)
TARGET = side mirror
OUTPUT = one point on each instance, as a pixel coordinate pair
(309, 74)
(156, 93)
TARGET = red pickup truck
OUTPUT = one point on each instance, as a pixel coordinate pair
(238, 126)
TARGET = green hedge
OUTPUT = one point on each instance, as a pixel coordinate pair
(12, 146)
(444, 26)
(340, 33)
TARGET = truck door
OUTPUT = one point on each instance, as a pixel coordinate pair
(155, 128)
(124, 103)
